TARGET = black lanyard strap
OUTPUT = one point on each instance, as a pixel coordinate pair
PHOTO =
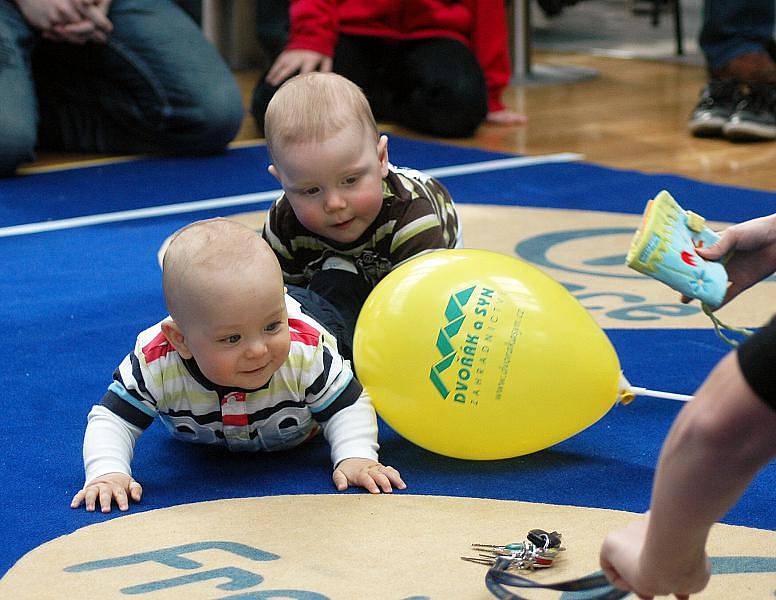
(498, 576)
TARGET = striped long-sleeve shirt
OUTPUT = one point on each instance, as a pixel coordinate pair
(314, 388)
(418, 215)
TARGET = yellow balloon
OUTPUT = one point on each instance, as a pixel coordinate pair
(477, 355)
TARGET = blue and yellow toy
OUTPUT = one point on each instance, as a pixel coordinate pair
(665, 245)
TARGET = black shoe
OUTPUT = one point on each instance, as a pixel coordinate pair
(755, 115)
(717, 103)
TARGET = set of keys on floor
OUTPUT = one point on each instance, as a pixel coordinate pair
(537, 552)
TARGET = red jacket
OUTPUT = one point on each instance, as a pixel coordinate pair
(480, 24)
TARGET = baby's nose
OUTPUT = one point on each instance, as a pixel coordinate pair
(256, 348)
(334, 202)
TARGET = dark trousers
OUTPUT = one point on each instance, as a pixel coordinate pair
(735, 27)
(434, 86)
(334, 298)
(156, 85)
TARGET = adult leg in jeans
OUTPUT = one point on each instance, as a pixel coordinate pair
(434, 86)
(272, 24)
(272, 29)
(18, 106)
(156, 85)
(365, 60)
(739, 102)
(441, 88)
(193, 8)
(347, 292)
(320, 309)
(358, 58)
(736, 38)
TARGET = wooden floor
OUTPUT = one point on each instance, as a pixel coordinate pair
(632, 116)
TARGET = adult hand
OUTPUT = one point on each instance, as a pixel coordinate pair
(623, 560)
(505, 117)
(45, 14)
(753, 244)
(94, 25)
(113, 486)
(291, 61)
(368, 474)
(96, 11)
(71, 21)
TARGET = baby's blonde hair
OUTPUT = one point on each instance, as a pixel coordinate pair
(314, 106)
(211, 245)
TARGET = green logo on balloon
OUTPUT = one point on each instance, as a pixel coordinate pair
(455, 317)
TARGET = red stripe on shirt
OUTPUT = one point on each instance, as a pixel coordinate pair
(235, 420)
(233, 397)
(157, 347)
(303, 332)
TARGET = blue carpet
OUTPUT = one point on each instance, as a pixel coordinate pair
(73, 301)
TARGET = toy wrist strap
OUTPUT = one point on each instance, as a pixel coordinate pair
(498, 577)
(720, 327)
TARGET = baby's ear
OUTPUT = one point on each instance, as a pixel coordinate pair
(175, 336)
(274, 172)
(382, 154)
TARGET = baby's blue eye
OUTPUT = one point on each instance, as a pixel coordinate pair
(233, 339)
(351, 180)
(312, 191)
(272, 327)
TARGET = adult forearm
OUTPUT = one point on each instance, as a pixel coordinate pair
(314, 25)
(715, 447)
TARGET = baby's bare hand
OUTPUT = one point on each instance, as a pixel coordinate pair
(367, 474)
(107, 488)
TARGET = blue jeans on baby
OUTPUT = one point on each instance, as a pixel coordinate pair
(735, 27)
(323, 311)
(156, 86)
